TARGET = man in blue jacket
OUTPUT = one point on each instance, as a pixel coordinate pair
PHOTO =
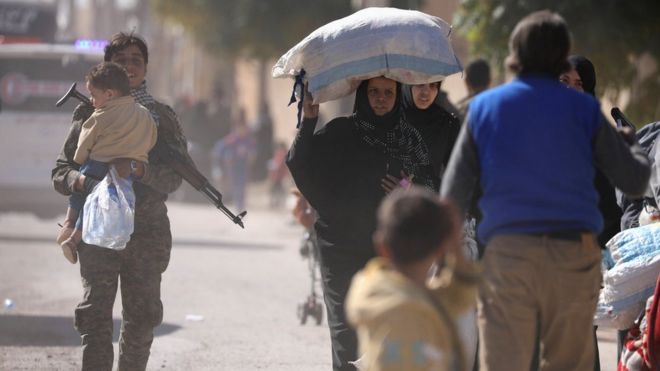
(532, 147)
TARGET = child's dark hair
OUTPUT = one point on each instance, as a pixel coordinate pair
(109, 75)
(414, 223)
(122, 41)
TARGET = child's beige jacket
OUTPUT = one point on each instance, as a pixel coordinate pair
(119, 129)
(398, 324)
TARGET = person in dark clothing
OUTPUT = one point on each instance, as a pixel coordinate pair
(437, 126)
(423, 109)
(477, 79)
(339, 170)
(582, 77)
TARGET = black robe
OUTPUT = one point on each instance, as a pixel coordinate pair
(438, 128)
(340, 174)
(340, 177)
(339, 170)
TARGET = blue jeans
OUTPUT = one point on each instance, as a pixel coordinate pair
(93, 169)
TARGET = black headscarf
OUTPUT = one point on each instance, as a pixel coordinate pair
(587, 72)
(391, 134)
(438, 128)
(417, 117)
(362, 109)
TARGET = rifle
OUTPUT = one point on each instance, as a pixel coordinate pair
(177, 162)
(621, 119)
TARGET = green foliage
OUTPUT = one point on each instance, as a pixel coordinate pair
(256, 28)
(612, 33)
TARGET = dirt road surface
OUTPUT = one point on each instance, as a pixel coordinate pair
(230, 297)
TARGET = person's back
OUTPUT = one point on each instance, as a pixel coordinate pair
(389, 311)
(119, 129)
(535, 141)
(531, 147)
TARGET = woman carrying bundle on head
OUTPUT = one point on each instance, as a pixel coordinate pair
(340, 171)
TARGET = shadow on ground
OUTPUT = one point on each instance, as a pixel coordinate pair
(178, 243)
(17, 330)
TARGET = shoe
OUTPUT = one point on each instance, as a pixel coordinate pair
(70, 247)
(68, 226)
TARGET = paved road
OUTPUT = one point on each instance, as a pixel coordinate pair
(243, 284)
(238, 289)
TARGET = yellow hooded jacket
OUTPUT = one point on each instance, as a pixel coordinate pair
(402, 326)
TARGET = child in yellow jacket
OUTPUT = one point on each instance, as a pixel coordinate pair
(404, 320)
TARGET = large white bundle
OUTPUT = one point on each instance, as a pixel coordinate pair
(631, 279)
(405, 45)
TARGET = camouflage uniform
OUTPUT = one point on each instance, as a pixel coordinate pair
(139, 266)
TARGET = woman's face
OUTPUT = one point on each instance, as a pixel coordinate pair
(572, 80)
(381, 92)
(424, 94)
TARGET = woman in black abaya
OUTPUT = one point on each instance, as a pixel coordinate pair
(582, 77)
(339, 170)
(439, 129)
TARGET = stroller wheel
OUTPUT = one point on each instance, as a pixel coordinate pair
(302, 313)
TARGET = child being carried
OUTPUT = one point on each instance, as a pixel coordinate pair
(119, 128)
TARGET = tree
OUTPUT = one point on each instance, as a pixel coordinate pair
(258, 29)
(252, 28)
(616, 35)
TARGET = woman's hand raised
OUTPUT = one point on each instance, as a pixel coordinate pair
(310, 110)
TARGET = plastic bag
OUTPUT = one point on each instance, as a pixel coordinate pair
(109, 212)
(631, 272)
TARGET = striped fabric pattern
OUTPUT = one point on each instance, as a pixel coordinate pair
(631, 280)
(405, 45)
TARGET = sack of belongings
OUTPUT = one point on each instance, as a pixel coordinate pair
(404, 45)
(632, 264)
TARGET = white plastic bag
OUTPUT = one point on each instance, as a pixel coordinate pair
(404, 45)
(631, 276)
(109, 212)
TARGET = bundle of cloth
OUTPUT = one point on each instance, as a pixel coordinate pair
(404, 45)
(631, 268)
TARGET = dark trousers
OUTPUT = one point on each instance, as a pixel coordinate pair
(337, 269)
(138, 269)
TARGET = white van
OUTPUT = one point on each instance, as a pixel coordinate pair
(32, 130)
